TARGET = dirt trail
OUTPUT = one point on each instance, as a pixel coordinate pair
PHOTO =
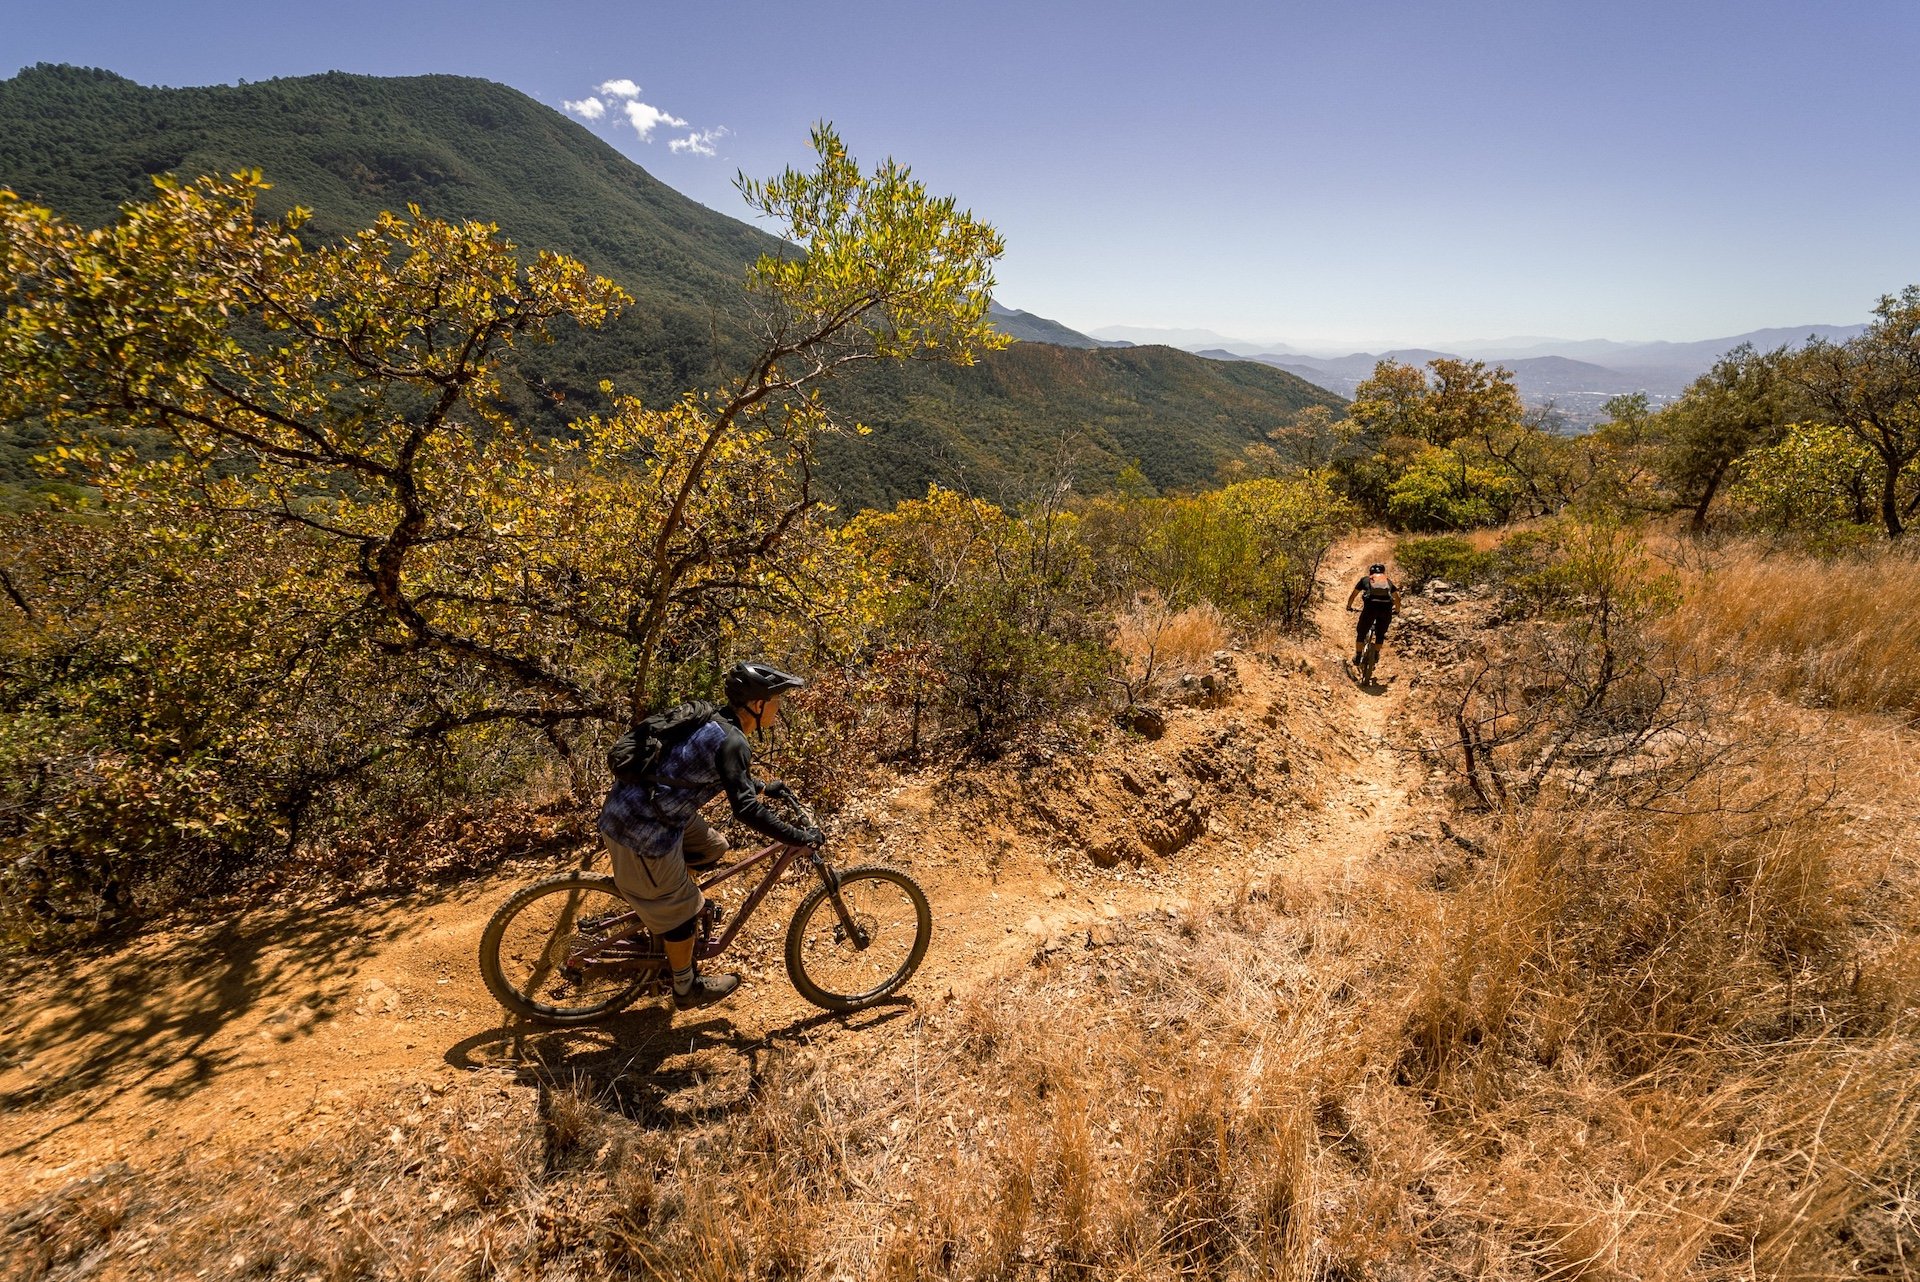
(269, 1030)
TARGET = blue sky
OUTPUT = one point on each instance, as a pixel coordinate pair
(1357, 173)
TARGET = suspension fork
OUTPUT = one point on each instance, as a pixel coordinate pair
(831, 875)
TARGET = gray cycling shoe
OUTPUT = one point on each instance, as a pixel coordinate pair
(706, 990)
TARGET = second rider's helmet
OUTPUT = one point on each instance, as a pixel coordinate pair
(1376, 569)
(749, 681)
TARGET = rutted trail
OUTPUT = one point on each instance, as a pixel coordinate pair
(270, 1029)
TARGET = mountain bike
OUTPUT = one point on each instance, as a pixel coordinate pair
(571, 950)
(1369, 657)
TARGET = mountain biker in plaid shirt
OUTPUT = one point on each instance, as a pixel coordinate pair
(658, 841)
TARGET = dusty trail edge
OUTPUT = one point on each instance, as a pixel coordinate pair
(266, 1031)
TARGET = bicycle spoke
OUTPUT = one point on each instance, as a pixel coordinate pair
(883, 946)
(563, 953)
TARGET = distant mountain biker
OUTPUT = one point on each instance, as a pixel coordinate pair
(1379, 595)
(657, 840)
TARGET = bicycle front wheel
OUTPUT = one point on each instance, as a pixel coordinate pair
(545, 955)
(839, 969)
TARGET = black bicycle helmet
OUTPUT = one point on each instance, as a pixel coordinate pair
(750, 681)
(1376, 569)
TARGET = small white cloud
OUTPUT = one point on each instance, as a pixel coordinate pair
(620, 89)
(646, 118)
(587, 108)
(700, 141)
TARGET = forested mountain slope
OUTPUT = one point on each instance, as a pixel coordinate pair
(347, 147)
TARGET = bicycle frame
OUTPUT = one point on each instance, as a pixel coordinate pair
(783, 857)
(709, 947)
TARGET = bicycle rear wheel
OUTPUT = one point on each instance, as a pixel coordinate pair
(841, 971)
(546, 953)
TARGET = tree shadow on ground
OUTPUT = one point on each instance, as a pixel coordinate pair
(153, 1020)
(653, 1071)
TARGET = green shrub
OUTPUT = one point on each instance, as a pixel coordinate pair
(1442, 489)
(1442, 556)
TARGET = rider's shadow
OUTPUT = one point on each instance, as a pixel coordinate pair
(1376, 687)
(644, 1066)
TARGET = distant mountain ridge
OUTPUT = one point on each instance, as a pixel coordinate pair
(1693, 358)
(1545, 373)
(347, 147)
(1028, 328)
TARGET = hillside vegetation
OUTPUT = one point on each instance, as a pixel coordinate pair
(349, 147)
(1583, 945)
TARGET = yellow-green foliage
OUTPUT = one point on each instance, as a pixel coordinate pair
(1442, 556)
(1446, 489)
(993, 605)
(1817, 481)
(384, 578)
(1252, 549)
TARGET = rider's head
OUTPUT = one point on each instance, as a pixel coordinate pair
(754, 690)
(1376, 568)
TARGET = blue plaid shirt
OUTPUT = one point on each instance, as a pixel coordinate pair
(650, 819)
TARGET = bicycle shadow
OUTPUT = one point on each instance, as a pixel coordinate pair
(641, 1064)
(1378, 686)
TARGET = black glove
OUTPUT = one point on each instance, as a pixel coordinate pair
(778, 790)
(813, 837)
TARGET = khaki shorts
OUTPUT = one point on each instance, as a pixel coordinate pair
(661, 889)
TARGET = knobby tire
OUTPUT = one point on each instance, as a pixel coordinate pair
(816, 913)
(509, 995)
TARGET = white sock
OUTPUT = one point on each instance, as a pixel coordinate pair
(683, 979)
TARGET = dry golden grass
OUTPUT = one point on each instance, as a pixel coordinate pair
(1161, 645)
(1841, 633)
(1627, 1046)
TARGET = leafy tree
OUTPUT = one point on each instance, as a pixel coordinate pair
(1252, 549)
(1622, 454)
(1460, 399)
(1870, 386)
(342, 504)
(1443, 489)
(1742, 403)
(1818, 480)
(992, 604)
(350, 391)
(1393, 402)
(1470, 400)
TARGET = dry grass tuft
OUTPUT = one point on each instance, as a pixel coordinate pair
(1839, 633)
(1159, 646)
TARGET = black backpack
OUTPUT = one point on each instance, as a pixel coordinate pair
(635, 755)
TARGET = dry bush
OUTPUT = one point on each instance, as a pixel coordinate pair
(1631, 934)
(1159, 646)
(1841, 633)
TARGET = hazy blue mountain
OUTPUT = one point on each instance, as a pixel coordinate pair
(1576, 377)
(1191, 340)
